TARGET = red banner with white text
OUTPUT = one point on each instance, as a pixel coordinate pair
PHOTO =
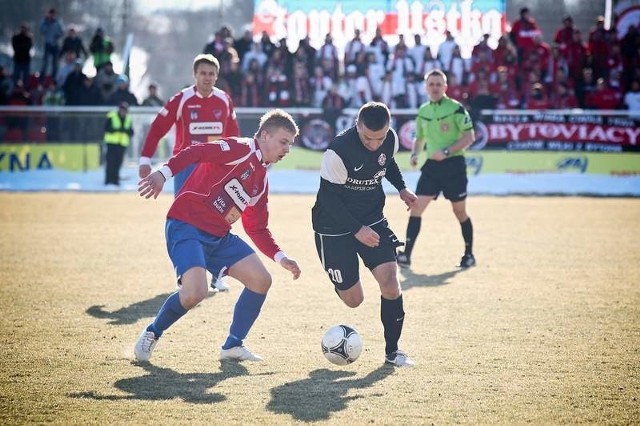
(548, 131)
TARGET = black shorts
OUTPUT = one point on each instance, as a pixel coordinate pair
(339, 254)
(448, 176)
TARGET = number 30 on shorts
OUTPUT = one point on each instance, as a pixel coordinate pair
(335, 275)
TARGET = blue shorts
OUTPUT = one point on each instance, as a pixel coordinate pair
(189, 247)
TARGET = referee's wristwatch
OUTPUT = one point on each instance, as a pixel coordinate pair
(446, 152)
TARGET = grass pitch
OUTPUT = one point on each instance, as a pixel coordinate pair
(545, 330)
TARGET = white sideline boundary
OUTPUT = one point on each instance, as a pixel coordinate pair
(307, 181)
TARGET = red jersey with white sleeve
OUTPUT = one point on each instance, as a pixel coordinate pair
(198, 119)
(229, 182)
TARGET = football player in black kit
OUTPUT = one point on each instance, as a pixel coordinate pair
(348, 218)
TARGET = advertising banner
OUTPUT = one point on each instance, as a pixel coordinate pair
(516, 144)
(538, 131)
(467, 20)
(549, 131)
(16, 158)
(512, 162)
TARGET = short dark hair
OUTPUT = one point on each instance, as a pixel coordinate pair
(436, 72)
(277, 118)
(205, 59)
(374, 115)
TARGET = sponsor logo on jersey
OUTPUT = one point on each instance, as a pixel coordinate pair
(206, 128)
(224, 146)
(378, 176)
(194, 106)
(444, 127)
(219, 204)
(164, 112)
(245, 175)
(365, 184)
(355, 169)
(382, 159)
(237, 193)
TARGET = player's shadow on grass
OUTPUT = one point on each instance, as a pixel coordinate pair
(129, 314)
(164, 384)
(323, 393)
(410, 279)
(134, 312)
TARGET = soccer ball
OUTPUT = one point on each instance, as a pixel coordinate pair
(341, 344)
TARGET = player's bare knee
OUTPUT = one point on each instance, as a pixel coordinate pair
(265, 282)
(189, 299)
(260, 283)
(390, 289)
(391, 293)
(353, 296)
(352, 302)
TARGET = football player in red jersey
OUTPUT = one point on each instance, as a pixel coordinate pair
(201, 113)
(228, 183)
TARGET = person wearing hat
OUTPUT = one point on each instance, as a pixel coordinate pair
(101, 48)
(122, 93)
(118, 130)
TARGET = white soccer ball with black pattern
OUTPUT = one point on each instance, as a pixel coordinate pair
(341, 344)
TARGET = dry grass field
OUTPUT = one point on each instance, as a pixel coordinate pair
(545, 330)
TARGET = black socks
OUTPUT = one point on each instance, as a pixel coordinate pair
(392, 316)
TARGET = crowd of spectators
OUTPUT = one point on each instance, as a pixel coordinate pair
(61, 79)
(523, 71)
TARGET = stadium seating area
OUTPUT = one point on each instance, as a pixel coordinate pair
(600, 70)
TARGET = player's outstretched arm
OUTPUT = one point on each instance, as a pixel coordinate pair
(152, 185)
(291, 266)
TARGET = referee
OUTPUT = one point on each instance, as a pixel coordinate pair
(444, 128)
(348, 218)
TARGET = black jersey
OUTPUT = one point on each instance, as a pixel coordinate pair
(351, 193)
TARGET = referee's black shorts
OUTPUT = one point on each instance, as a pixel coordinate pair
(339, 254)
(448, 176)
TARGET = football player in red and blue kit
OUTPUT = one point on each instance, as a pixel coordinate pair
(201, 113)
(228, 183)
